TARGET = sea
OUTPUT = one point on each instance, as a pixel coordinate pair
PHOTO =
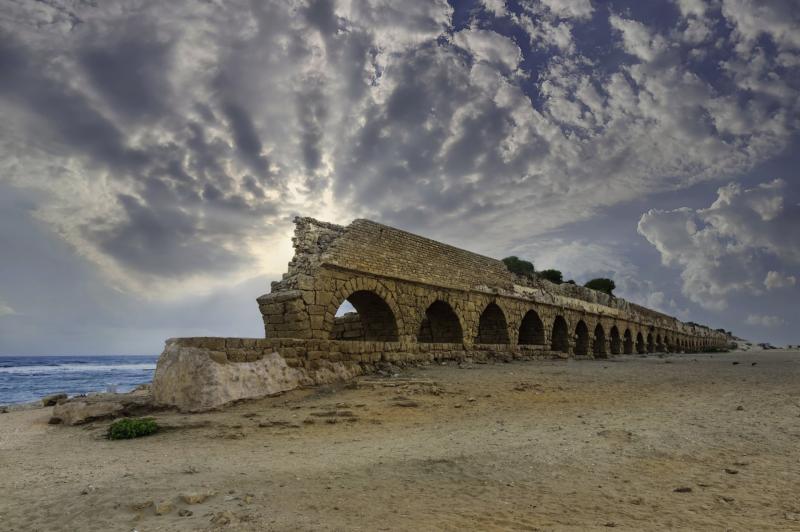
(25, 379)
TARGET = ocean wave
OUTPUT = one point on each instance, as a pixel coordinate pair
(77, 368)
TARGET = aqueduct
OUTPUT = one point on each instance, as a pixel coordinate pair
(418, 298)
(421, 300)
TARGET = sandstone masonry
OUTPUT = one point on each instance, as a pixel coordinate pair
(420, 300)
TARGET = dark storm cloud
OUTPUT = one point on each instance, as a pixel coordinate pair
(67, 114)
(131, 74)
(246, 137)
(159, 240)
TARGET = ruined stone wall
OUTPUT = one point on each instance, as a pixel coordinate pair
(411, 291)
(416, 300)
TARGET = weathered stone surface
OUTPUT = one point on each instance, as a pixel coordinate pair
(163, 507)
(196, 497)
(80, 410)
(54, 399)
(191, 378)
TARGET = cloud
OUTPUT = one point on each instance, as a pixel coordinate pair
(692, 7)
(579, 9)
(491, 47)
(777, 19)
(764, 321)
(775, 280)
(172, 145)
(729, 246)
(496, 7)
(6, 310)
(638, 39)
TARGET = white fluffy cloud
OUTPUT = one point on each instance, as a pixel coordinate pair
(777, 19)
(579, 9)
(764, 321)
(775, 280)
(638, 39)
(728, 247)
(5, 310)
(491, 47)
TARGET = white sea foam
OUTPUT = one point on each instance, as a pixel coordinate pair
(76, 368)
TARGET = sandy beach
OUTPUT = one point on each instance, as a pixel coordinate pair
(700, 442)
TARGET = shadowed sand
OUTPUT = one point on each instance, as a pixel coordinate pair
(522, 446)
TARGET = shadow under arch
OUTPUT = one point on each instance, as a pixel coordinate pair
(627, 342)
(531, 330)
(599, 342)
(559, 339)
(375, 321)
(440, 325)
(640, 347)
(581, 339)
(492, 326)
(616, 341)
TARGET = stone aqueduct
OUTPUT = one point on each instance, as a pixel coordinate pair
(418, 299)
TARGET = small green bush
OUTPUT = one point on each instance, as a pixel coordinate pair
(554, 276)
(519, 266)
(602, 284)
(125, 429)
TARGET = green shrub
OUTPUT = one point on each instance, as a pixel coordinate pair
(128, 428)
(601, 284)
(519, 266)
(554, 276)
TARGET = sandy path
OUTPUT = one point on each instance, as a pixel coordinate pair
(523, 446)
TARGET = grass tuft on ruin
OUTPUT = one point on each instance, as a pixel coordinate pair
(128, 428)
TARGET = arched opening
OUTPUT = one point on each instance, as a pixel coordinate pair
(581, 339)
(599, 343)
(667, 344)
(440, 325)
(531, 330)
(650, 344)
(640, 347)
(364, 315)
(492, 326)
(627, 342)
(616, 342)
(659, 344)
(560, 337)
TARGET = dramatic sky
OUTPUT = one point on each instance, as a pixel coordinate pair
(153, 154)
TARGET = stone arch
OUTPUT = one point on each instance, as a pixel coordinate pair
(440, 324)
(616, 341)
(627, 342)
(650, 343)
(581, 339)
(659, 343)
(492, 326)
(559, 338)
(599, 342)
(364, 286)
(375, 321)
(531, 330)
(641, 348)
